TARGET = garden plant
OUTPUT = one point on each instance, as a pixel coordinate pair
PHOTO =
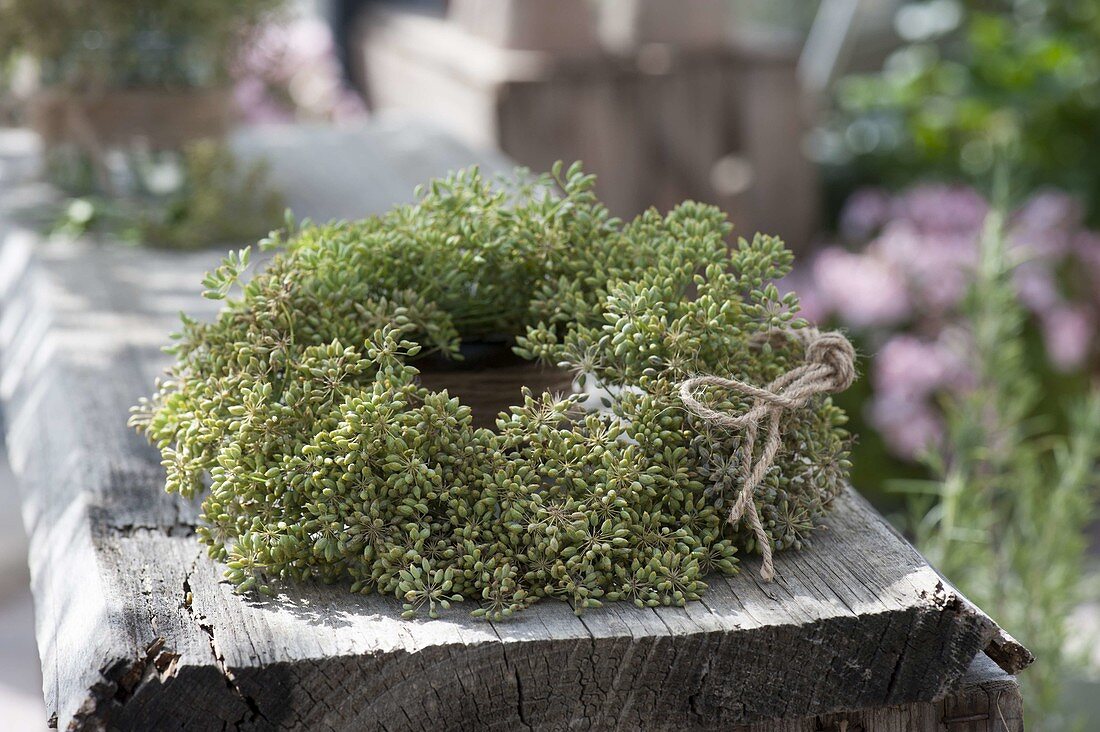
(981, 405)
(116, 43)
(979, 83)
(897, 279)
(299, 417)
(1006, 513)
(197, 197)
(133, 103)
(979, 417)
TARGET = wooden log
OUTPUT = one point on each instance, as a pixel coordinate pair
(137, 631)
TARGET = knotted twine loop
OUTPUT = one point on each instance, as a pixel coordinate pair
(829, 368)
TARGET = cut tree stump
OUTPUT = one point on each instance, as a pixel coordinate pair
(137, 630)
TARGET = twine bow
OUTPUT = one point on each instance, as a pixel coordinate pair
(829, 368)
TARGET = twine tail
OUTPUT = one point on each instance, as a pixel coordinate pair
(752, 474)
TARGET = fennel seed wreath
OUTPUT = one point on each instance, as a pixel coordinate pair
(299, 415)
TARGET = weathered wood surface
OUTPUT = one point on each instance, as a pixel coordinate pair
(137, 632)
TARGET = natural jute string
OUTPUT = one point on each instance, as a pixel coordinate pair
(829, 368)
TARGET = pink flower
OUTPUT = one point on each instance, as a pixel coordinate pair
(252, 98)
(1086, 247)
(939, 208)
(908, 373)
(1042, 244)
(1050, 208)
(912, 275)
(907, 427)
(936, 264)
(1045, 224)
(863, 291)
(910, 368)
(1036, 287)
(1068, 334)
(864, 213)
(290, 70)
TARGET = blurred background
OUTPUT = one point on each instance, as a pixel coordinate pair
(935, 165)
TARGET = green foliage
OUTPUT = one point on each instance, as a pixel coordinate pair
(216, 200)
(125, 43)
(1006, 518)
(1022, 77)
(325, 457)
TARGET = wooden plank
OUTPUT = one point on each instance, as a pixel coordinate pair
(137, 632)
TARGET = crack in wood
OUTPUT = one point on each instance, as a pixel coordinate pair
(219, 658)
(132, 529)
(693, 699)
(231, 679)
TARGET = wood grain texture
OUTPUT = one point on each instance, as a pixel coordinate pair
(137, 632)
(986, 699)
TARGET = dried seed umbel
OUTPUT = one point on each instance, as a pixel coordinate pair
(300, 405)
